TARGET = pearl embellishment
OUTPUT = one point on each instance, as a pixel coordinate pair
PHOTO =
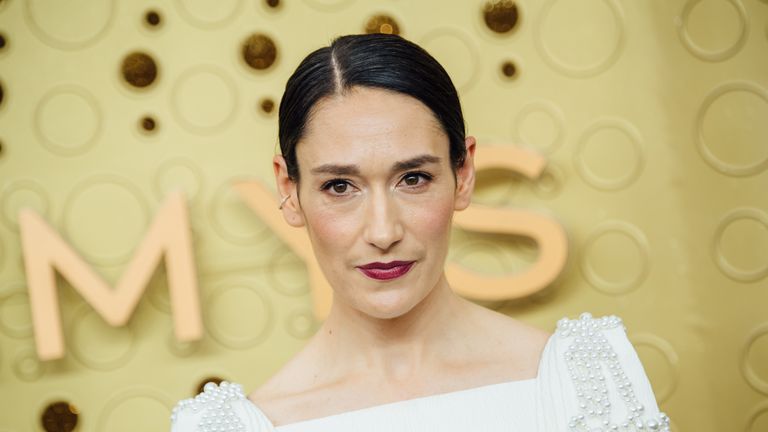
(591, 361)
(215, 404)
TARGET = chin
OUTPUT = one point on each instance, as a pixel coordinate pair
(388, 305)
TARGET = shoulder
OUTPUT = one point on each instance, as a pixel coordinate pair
(509, 348)
(293, 388)
(217, 406)
(594, 377)
(529, 343)
(511, 332)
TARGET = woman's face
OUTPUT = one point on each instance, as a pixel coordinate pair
(377, 195)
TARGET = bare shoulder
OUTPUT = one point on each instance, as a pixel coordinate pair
(514, 341)
(290, 390)
(504, 324)
(286, 380)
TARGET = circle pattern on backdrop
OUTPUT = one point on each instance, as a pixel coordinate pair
(609, 154)
(658, 356)
(740, 246)
(98, 345)
(757, 421)
(580, 39)
(456, 53)
(15, 317)
(68, 120)
(23, 193)
(754, 359)
(550, 182)
(699, 17)
(204, 99)
(178, 173)
(95, 209)
(238, 316)
(729, 126)
(120, 413)
(208, 14)
(51, 21)
(27, 366)
(540, 124)
(232, 220)
(287, 273)
(616, 258)
(300, 324)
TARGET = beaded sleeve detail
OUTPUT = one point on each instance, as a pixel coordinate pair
(215, 405)
(591, 362)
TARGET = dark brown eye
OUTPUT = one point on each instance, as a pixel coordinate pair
(339, 188)
(412, 180)
(415, 179)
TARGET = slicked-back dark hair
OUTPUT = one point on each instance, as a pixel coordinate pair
(382, 61)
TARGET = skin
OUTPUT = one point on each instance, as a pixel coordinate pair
(409, 337)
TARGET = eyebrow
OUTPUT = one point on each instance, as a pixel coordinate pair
(404, 165)
(415, 162)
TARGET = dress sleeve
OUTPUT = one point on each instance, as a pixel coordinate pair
(219, 408)
(592, 380)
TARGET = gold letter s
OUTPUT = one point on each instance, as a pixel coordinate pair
(548, 234)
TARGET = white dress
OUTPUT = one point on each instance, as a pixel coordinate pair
(589, 379)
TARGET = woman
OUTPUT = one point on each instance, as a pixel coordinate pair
(374, 163)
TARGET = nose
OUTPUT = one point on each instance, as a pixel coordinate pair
(383, 227)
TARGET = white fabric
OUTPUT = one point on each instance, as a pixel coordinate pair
(588, 368)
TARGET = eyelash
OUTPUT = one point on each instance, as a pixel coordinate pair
(425, 176)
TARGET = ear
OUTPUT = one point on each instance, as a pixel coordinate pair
(292, 212)
(465, 177)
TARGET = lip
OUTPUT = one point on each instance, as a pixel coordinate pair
(386, 271)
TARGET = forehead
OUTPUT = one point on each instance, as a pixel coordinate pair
(370, 124)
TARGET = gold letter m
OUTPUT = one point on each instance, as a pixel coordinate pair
(45, 251)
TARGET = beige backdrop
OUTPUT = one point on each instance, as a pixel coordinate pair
(653, 116)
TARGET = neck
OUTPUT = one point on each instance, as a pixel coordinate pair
(397, 348)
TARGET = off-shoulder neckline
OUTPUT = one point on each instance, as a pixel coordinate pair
(415, 400)
(453, 393)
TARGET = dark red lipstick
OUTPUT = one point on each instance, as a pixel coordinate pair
(386, 271)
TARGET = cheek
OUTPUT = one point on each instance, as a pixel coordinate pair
(431, 220)
(329, 230)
